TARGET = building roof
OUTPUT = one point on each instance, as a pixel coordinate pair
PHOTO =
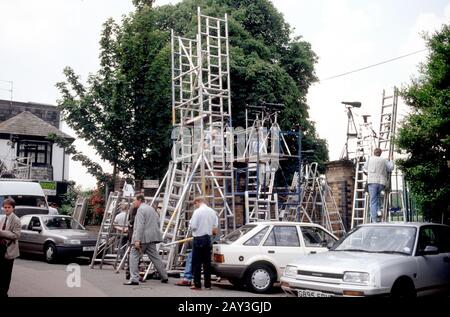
(48, 113)
(26, 123)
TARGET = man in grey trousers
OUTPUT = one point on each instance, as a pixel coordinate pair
(146, 234)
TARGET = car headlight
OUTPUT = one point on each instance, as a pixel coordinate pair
(290, 270)
(356, 277)
(70, 241)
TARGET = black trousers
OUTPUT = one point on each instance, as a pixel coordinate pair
(6, 267)
(201, 255)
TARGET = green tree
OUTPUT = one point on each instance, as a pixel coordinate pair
(124, 110)
(70, 198)
(424, 134)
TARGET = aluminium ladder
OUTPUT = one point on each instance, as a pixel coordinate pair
(202, 155)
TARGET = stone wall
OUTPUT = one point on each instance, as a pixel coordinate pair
(41, 173)
(340, 177)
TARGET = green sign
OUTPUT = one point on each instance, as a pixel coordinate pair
(49, 187)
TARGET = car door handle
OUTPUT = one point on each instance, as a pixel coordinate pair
(270, 251)
(312, 252)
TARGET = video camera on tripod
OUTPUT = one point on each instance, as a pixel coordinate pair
(355, 104)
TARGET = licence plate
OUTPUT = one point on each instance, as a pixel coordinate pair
(309, 293)
(91, 248)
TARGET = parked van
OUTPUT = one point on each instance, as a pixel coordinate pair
(29, 196)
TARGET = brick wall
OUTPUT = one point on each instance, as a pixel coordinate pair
(340, 177)
(239, 210)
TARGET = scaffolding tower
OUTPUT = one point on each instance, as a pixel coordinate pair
(260, 151)
(202, 152)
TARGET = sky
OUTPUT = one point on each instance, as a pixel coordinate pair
(39, 38)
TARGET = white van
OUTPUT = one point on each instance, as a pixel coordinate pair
(29, 196)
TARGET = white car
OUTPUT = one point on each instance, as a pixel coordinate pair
(257, 253)
(396, 259)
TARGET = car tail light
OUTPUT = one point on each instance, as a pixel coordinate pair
(219, 258)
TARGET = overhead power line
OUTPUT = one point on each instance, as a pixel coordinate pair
(377, 64)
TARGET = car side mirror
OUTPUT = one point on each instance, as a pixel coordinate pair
(430, 249)
(36, 228)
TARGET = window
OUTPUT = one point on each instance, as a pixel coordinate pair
(24, 221)
(256, 239)
(34, 223)
(316, 237)
(236, 234)
(283, 236)
(436, 236)
(58, 222)
(40, 153)
(381, 239)
(32, 201)
(427, 237)
(443, 234)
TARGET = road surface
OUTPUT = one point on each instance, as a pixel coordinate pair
(32, 277)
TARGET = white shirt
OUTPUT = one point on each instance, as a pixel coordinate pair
(52, 211)
(128, 190)
(377, 169)
(3, 218)
(120, 221)
(203, 220)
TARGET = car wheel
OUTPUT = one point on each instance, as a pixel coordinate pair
(403, 288)
(260, 278)
(50, 253)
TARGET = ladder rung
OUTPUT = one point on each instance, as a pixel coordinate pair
(175, 196)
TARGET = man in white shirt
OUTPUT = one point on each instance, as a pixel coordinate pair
(204, 223)
(377, 170)
(121, 225)
(52, 210)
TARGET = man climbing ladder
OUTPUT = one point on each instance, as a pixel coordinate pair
(377, 170)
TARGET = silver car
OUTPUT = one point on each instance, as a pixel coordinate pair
(55, 237)
(397, 259)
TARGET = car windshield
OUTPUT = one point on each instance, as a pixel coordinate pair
(236, 234)
(55, 222)
(379, 239)
(26, 200)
